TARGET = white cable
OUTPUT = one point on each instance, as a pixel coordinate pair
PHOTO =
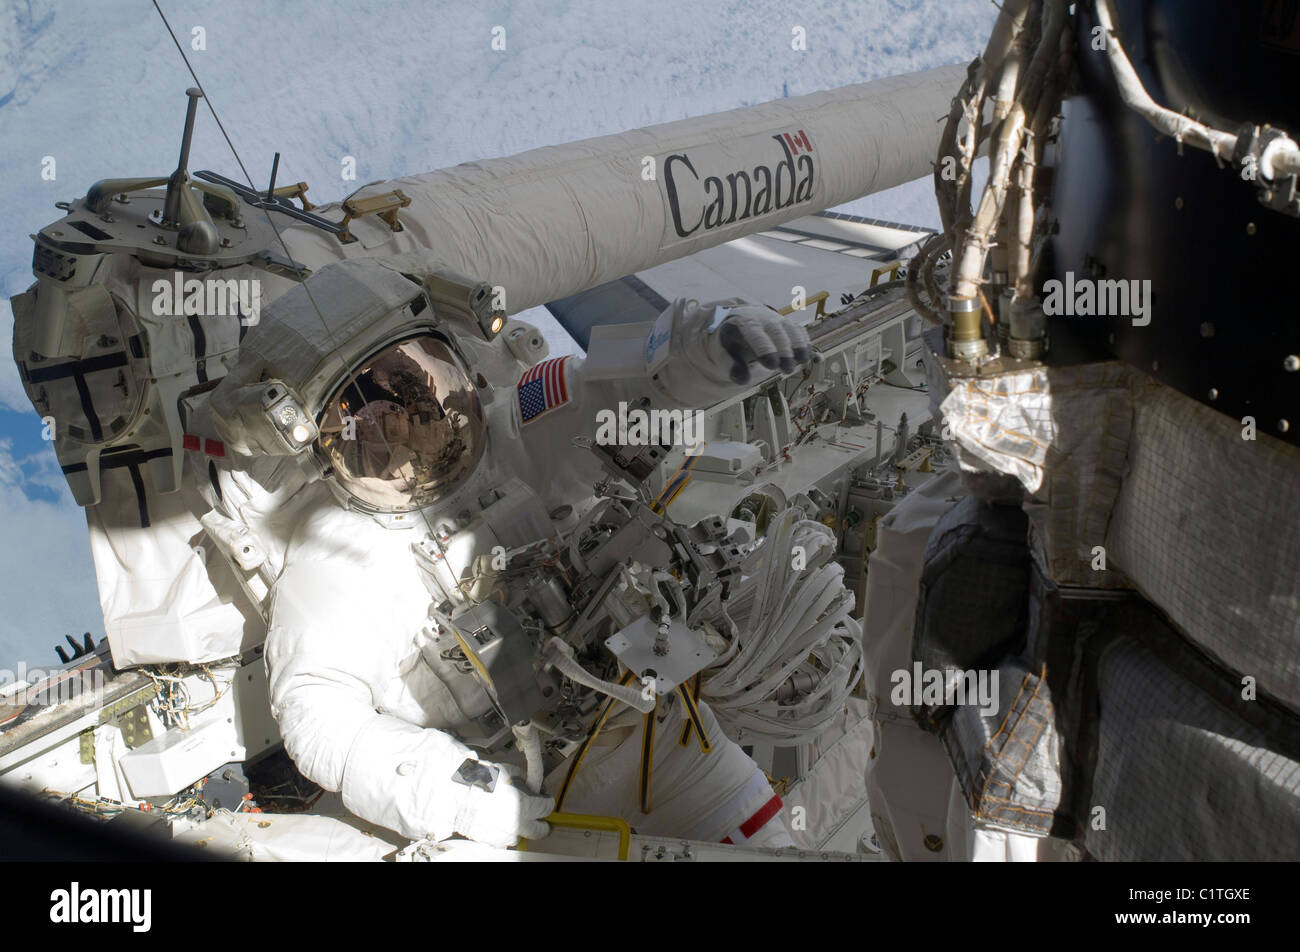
(530, 742)
(791, 622)
(1281, 157)
(558, 653)
(1135, 96)
(970, 256)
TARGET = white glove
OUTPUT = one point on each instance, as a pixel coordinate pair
(424, 782)
(753, 332)
(499, 817)
(699, 353)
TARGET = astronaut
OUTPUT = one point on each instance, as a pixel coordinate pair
(417, 423)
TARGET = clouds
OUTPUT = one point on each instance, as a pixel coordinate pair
(47, 584)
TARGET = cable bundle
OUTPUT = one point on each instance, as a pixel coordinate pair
(795, 651)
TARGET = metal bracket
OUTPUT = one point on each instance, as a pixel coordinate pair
(819, 299)
(277, 264)
(130, 715)
(889, 269)
(278, 202)
(298, 191)
(385, 206)
(687, 652)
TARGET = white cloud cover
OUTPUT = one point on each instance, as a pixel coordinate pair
(46, 575)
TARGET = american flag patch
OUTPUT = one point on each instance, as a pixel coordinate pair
(542, 388)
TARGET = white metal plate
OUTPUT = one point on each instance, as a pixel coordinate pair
(687, 652)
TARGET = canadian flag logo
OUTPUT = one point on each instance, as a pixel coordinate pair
(798, 142)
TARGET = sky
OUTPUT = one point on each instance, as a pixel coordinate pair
(402, 86)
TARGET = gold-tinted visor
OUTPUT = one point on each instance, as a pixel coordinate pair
(406, 428)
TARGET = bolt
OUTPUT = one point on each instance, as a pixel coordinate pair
(1250, 228)
(1178, 202)
(1292, 363)
(1283, 425)
(1214, 393)
(159, 240)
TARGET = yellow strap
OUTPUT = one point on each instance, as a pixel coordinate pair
(647, 759)
(688, 727)
(693, 722)
(586, 744)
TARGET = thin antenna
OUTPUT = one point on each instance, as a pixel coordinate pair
(275, 167)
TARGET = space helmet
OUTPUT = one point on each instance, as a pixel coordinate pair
(365, 371)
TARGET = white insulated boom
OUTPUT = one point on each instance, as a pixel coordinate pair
(554, 221)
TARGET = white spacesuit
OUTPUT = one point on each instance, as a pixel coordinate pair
(424, 429)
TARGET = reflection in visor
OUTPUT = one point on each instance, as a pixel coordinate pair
(405, 429)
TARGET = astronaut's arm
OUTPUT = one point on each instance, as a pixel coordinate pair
(324, 668)
(694, 355)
